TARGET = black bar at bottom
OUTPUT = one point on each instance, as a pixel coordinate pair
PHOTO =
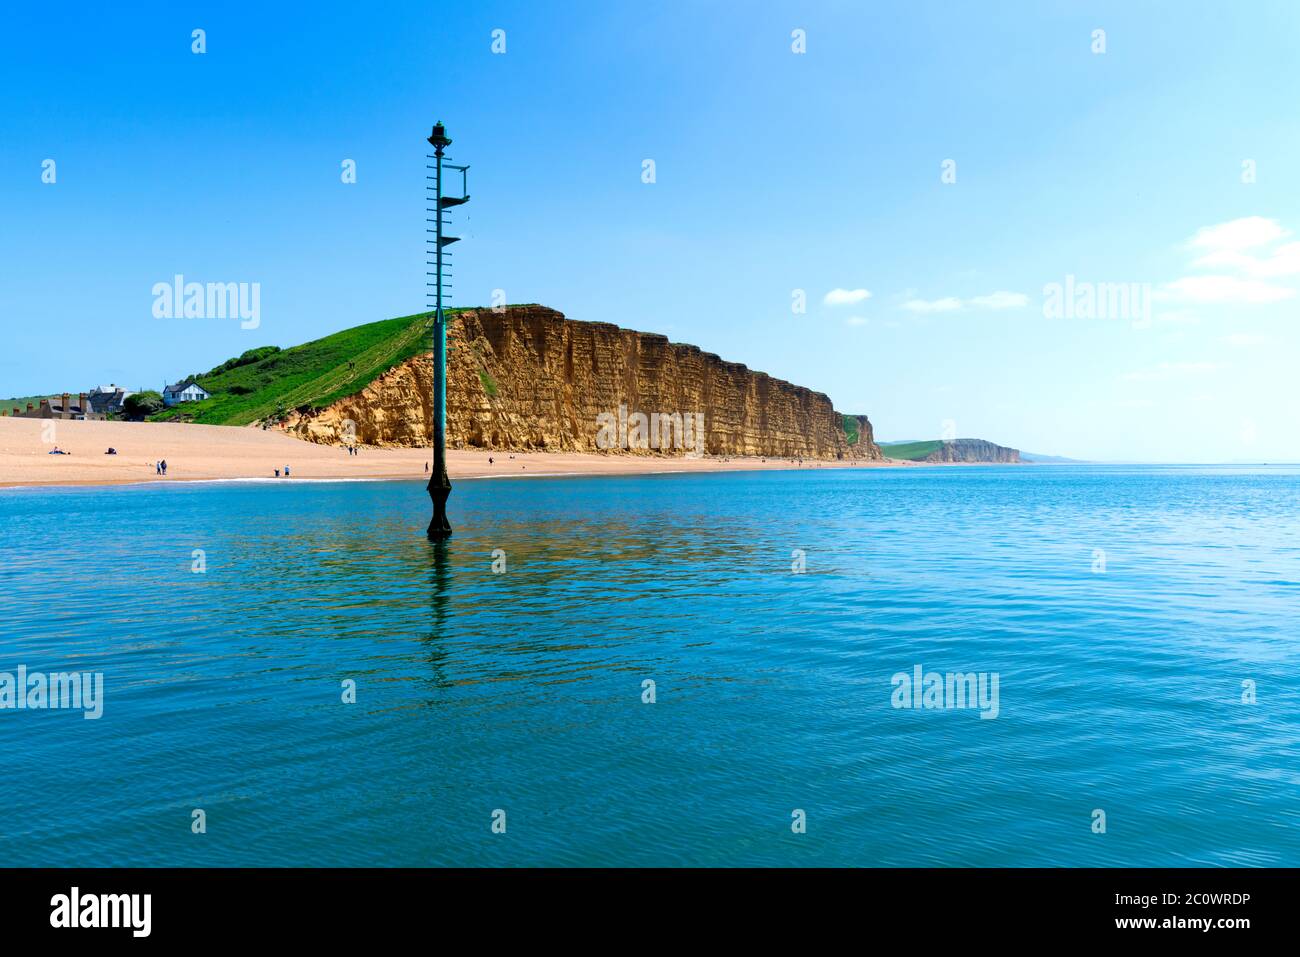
(952, 908)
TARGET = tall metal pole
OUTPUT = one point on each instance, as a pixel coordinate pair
(439, 483)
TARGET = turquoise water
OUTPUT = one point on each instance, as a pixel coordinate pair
(1118, 690)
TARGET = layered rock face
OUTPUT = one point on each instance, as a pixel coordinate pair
(865, 448)
(972, 450)
(527, 378)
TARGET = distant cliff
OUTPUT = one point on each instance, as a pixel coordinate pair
(949, 450)
(972, 450)
(527, 378)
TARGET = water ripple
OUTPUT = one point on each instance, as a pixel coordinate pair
(1121, 608)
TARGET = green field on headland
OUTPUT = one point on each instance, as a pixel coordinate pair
(910, 451)
(268, 381)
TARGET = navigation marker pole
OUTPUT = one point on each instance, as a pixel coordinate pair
(439, 483)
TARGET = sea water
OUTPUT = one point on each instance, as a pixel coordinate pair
(661, 670)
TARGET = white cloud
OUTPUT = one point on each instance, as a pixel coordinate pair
(1223, 289)
(1001, 300)
(994, 300)
(845, 297)
(1240, 247)
(1282, 261)
(932, 305)
(1245, 233)
(855, 321)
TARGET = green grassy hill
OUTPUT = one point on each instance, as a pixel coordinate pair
(20, 402)
(264, 381)
(909, 451)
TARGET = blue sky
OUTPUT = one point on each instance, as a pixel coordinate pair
(775, 171)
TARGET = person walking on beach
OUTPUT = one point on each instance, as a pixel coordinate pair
(157, 467)
(277, 473)
(286, 471)
(164, 466)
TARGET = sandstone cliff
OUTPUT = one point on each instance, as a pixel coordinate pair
(865, 447)
(527, 378)
(972, 450)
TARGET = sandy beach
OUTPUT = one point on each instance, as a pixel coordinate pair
(207, 452)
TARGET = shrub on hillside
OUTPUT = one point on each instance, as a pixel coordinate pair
(246, 359)
(142, 404)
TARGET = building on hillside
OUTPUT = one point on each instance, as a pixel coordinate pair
(187, 391)
(108, 399)
(60, 407)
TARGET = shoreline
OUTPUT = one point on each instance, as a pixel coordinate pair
(218, 453)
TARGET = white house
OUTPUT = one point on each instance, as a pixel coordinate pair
(187, 391)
